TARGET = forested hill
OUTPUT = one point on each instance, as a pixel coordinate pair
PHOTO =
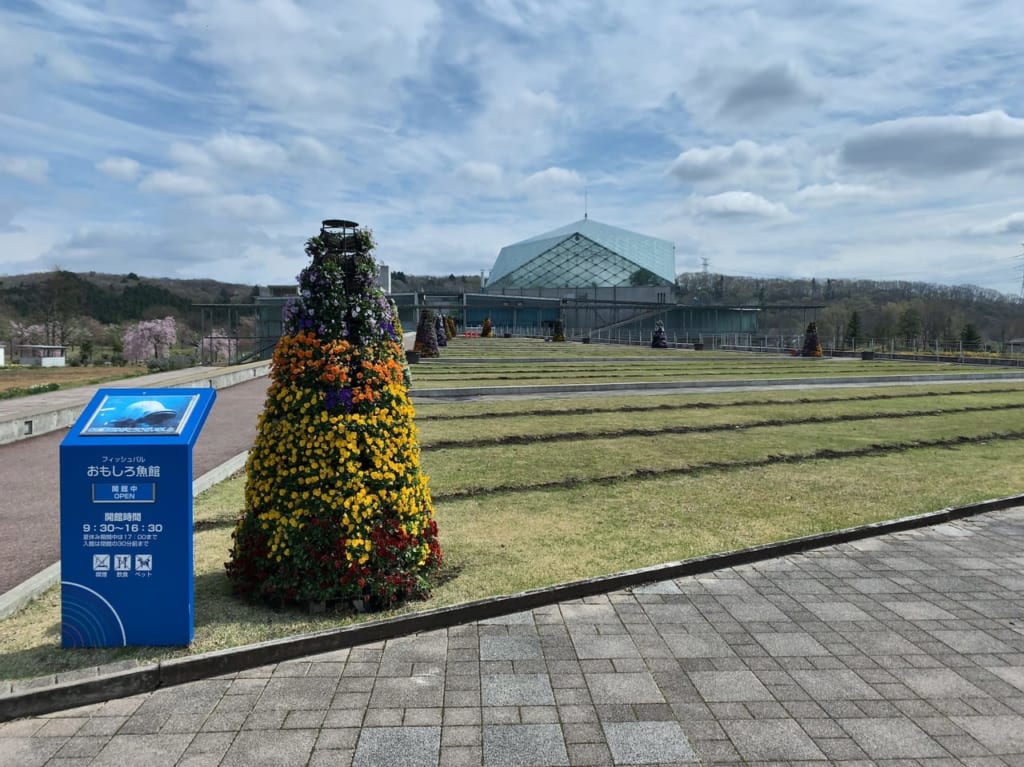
(108, 298)
(868, 309)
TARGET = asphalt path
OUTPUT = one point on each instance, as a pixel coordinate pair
(30, 479)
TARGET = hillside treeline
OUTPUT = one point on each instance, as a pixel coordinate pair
(910, 314)
(72, 306)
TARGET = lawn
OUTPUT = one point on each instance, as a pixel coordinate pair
(536, 491)
(25, 376)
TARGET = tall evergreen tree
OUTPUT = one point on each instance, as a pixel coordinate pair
(853, 331)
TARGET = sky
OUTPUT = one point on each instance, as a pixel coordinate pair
(790, 138)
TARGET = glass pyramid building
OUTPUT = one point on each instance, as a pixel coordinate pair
(585, 253)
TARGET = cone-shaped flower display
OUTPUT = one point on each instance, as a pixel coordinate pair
(812, 345)
(426, 336)
(337, 508)
(486, 330)
(439, 331)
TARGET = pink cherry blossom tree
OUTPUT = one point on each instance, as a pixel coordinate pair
(150, 339)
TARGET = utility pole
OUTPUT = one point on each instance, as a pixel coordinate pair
(1021, 256)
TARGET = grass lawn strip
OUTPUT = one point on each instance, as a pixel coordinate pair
(426, 412)
(552, 537)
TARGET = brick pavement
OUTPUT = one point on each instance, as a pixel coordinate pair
(906, 649)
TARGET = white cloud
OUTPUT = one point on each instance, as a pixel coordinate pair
(120, 168)
(246, 207)
(937, 146)
(33, 169)
(739, 203)
(720, 163)
(245, 152)
(839, 194)
(485, 174)
(551, 180)
(309, 150)
(172, 182)
(1012, 224)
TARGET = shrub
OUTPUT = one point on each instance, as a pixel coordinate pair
(336, 507)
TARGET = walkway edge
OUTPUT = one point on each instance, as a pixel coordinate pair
(48, 694)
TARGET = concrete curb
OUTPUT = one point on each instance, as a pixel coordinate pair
(13, 600)
(48, 694)
(504, 391)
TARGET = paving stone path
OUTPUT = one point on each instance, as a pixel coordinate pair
(900, 650)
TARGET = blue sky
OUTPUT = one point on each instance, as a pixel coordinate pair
(208, 138)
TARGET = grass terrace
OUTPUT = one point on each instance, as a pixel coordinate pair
(533, 491)
(484, 362)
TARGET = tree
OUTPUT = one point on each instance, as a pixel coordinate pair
(908, 327)
(215, 347)
(150, 339)
(644, 277)
(853, 328)
(970, 338)
(336, 506)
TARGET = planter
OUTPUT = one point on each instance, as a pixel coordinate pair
(698, 347)
(867, 355)
(412, 357)
(584, 340)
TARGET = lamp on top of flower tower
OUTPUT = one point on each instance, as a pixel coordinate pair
(339, 236)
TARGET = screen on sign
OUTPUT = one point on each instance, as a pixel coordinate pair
(163, 414)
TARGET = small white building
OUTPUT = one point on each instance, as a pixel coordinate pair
(41, 355)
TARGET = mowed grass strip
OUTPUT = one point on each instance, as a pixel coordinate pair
(483, 469)
(610, 423)
(558, 406)
(652, 510)
(563, 404)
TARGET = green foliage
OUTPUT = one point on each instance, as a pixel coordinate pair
(644, 277)
(19, 391)
(853, 330)
(970, 338)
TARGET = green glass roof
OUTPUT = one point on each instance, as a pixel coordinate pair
(585, 252)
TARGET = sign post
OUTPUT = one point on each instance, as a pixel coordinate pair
(127, 574)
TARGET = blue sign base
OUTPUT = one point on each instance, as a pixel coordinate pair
(127, 574)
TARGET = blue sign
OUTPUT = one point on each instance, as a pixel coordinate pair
(127, 573)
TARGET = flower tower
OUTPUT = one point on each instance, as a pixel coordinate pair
(812, 345)
(559, 332)
(449, 325)
(439, 330)
(336, 507)
(426, 336)
(486, 330)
